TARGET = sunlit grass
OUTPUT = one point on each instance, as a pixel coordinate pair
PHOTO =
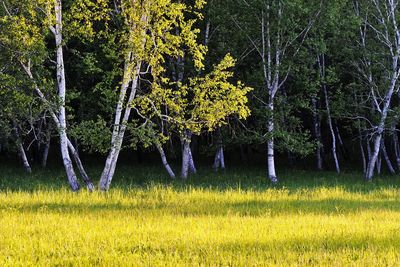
(226, 220)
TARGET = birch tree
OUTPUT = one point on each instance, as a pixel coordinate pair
(279, 36)
(202, 104)
(380, 69)
(148, 36)
(28, 25)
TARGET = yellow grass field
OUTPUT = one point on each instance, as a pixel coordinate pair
(164, 226)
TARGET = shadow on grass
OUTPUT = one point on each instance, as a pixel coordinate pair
(252, 179)
(206, 207)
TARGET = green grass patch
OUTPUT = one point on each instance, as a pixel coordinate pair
(233, 219)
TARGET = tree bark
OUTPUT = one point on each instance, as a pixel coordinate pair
(270, 145)
(165, 161)
(393, 49)
(321, 63)
(192, 166)
(45, 153)
(317, 133)
(24, 159)
(186, 154)
(120, 123)
(396, 146)
(72, 179)
(341, 143)
(381, 126)
(387, 159)
(219, 159)
(363, 158)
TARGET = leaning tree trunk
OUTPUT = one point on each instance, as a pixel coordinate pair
(120, 124)
(24, 159)
(27, 69)
(85, 176)
(341, 143)
(396, 146)
(192, 166)
(363, 158)
(382, 124)
(387, 159)
(72, 179)
(21, 150)
(165, 161)
(388, 20)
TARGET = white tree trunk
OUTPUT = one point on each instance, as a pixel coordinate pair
(186, 154)
(219, 159)
(396, 147)
(24, 159)
(270, 145)
(45, 153)
(321, 63)
(379, 163)
(120, 122)
(317, 133)
(165, 161)
(72, 179)
(387, 159)
(391, 42)
(363, 158)
(382, 123)
(57, 122)
(192, 166)
(222, 158)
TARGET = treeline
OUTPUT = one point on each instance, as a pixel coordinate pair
(312, 78)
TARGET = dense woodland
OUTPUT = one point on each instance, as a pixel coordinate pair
(298, 81)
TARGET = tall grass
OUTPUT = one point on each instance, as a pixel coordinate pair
(234, 219)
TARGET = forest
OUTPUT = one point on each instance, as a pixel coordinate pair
(215, 113)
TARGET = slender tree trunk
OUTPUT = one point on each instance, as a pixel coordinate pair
(222, 158)
(217, 160)
(165, 161)
(120, 123)
(373, 158)
(363, 158)
(85, 176)
(317, 133)
(321, 63)
(379, 163)
(387, 159)
(45, 153)
(270, 145)
(396, 146)
(186, 154)
(24, 159)
(341, 143)
(192, 166)
(380, 128)
(56, 120)
(72, 179)
(383, 107)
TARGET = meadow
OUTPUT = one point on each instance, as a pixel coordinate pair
(231, 219)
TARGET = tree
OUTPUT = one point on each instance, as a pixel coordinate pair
(204, 103)
(147, 38)
(379, 66)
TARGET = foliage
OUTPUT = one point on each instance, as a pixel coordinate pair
(204, 103)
